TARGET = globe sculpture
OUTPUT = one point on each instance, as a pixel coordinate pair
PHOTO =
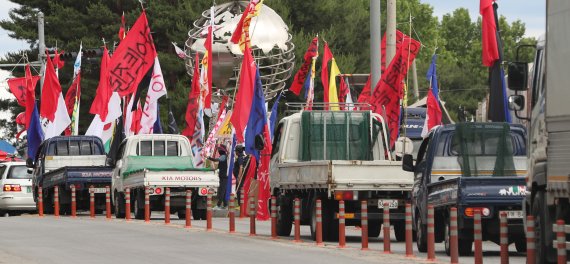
(270, 43)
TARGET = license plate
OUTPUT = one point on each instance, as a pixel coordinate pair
(29, 189)
(514, 214)
(177, 193)
(392, 204)
(98, 190)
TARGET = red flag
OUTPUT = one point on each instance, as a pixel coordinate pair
(244, 95)
(343, 91)
(488, 33)
(132, 59)
(365, 94)
(50, 92)
(208, 46)
(327, 56)
(73, 92)
(57, 61)
(388, 91)
(264, 191)
(100, 104)
(241, 33)
(251, 169)
(122, 28)
(399, 38)
(193, 101)
(301, 75)
(223, 105)
(30, 95)
(136, 119)
(18, 88)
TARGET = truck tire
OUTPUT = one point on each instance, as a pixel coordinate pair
(464, 246)
(330, 223)
(313, 217)
(199, 214)
(520, 245)
(421, 235)
(139, 205)
(541, 221)
(447, 236)
(374, 228)
(181, 214)
(48, 203)
(285, 216)
(119, 205)
(400, 231)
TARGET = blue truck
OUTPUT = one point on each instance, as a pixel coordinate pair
(469, 166)
(70, 161)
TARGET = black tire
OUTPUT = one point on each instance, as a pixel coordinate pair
(138, 205)
(464, 247)
(48, 203)
(199, 214)
(421, 235)
(520, 245)
(285, 216)
(330, 223)
(65, 209)
(182, 214)
(542, 242)
(119, 205)
(400, 231)
(447, 237)
(374, 227)
(3, 213)
(313, 219)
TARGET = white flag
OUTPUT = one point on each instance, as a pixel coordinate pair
(156, 89)
(60, 122)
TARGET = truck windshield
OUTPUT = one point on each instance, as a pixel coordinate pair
(157, 148)
(74, 147)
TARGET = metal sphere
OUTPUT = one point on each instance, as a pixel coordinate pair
(270, 43)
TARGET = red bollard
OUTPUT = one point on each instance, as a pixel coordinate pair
(530, 244)
(409, 232)
(341, 225)
(243, 206)
(561, 241)
(430, 234)
(386, 227)
(273, 217)
(91, 202)
(297, 218)
(40, 202)
(233, 213)
(108, 202)
(252, 231)
(73, 202)
(209, 212)
(56, 201)
(128, 204)
(364, 224)
(319, 216)
(504, 238)
(478, 237)
(167, 206)
(453, 239)
(188, 208)
(146, 205)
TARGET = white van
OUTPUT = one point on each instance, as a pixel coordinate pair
(16, 189)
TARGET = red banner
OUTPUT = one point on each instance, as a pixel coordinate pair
(18, 88)
(132, 59)
(193, 102)
(399, 38)
(388, 91)
(263, 179)
(74, 92)
(301, 75)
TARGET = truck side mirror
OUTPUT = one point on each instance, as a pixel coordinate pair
(29, 163)
(516, 102)
(110, 162)
(408, 162)
(518, 76)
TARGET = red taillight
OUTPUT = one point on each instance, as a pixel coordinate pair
(470, 211)
(12, 188)
(345, 195)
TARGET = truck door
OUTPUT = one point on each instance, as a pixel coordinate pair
(420, 174)
(275, 153)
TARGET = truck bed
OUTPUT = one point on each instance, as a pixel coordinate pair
(171, 178)
(77, 175)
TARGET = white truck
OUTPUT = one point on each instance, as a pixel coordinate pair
(332, 156)
(548, 176)
(159, 161)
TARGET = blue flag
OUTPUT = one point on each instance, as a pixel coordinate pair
(307, 85)
(273, 117)
(157, 128)
(231, 168)
(257, 118)
(35, 133)
(432, 76)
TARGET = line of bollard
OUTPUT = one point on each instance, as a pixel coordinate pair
(319, 216)
(146, 204)
(530, 244)
(561, 241)
(232, 213)
(167, 206)
(108, 202)
(341, 225)
(91, 202)
(453, 239)
(273, 217)
(364, 224)
(478, 237)
(56, 201)
(40, 202)
(409, 232)
(430, 234)
(386, 227)
(209, 212)
(128, 204)
(297, 218)
(73, 201)
(252, 231)
(504, 237)
(243, 206)
(188, 208)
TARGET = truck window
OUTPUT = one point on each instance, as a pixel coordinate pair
(144, 148)
(172, 148)
(74, 148)
(538, 76)
(61, 148)
(2, 170)
(159, 149)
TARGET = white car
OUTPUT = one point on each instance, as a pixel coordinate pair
(16, 189)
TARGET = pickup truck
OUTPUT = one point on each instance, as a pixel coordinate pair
(158, 161)
(66, 161)
(333, 156)
(470, 166)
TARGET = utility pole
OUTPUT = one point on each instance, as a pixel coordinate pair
(415, 80)
(375, 42)
(42, 47)
(390, 31)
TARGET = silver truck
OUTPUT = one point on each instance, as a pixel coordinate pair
(332, 156)
(548, 177)
(158, 162)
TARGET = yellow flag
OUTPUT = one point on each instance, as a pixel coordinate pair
(333, 95)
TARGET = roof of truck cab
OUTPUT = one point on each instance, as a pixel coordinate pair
(69, 138)
(155, 137)
(514, 127)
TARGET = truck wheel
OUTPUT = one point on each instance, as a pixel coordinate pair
(400, 231)
(313, 222)
(285, 216)
(330, 224)
(464, 246)
(421, 235)
(182, 214)
(119, 205)
(48, 203)
(374, 228)
(199, 214)
(139, 205)
(520, 245)
(541, 221)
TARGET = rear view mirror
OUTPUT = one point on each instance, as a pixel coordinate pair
(516, 102)
(518, 76)
(110, 162)
(29, 163)
(408, 162)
